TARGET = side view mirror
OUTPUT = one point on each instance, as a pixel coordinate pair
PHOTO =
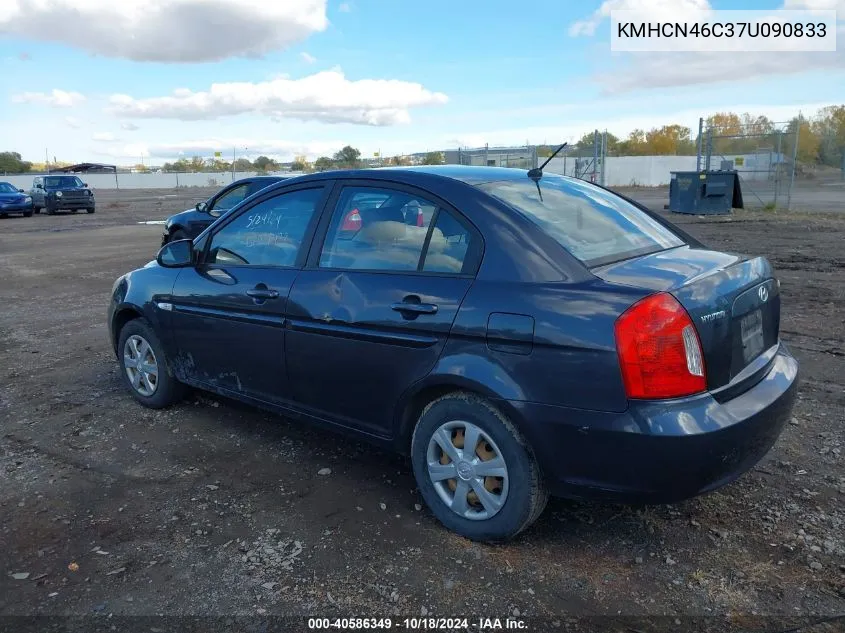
(178, 254)
(38, 187)
(202, 207)
(84, 184)
(20, 191)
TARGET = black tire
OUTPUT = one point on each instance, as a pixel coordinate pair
(178, 234)
(168, 390)
(50, 210)
(90, 210)
(527, 494)
(36, 209)
(27, 214)
(74, 211)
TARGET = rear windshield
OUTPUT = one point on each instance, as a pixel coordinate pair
(594, 225)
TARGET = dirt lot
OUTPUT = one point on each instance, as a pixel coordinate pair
(213, 508)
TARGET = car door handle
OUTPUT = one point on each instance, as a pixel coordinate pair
(263, 293)
(414, 308)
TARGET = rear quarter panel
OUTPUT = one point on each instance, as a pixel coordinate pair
(572, 361)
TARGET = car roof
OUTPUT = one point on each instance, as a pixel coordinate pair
(471, 175)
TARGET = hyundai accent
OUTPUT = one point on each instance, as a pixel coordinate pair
(517, 334)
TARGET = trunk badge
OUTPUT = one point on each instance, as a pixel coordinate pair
(763, 293)
(709, 318)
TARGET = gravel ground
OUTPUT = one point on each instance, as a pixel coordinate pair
(214, 508)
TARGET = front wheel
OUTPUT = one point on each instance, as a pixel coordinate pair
(36, 209)
(474, 469)
(90, 210)
(27, 214)
(145, 368)
(50, 210)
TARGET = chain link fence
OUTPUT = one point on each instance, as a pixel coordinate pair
(763, 154)
(520, 157)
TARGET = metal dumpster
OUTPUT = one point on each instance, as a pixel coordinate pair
(704, 192)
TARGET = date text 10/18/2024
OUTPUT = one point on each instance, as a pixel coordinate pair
(418, 624)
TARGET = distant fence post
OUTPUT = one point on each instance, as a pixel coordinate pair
(794, 160)
(698, 144)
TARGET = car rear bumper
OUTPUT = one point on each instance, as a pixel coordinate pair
(661, 452)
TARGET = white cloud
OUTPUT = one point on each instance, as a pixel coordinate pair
(278, 149)
(55, 98)
(656, 9)
(325, 96)
(105, 137)
(307, 58)
(128, 125)
(647, 71)
(345, 7)
(166, 30)
(818, 5)
(73, 122)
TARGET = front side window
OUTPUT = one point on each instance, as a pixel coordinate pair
(377, 229)
(268, 234)
(60, 182)
(593, 224)
(230, 198)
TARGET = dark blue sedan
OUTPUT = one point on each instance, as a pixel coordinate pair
(188, 224)
(14, 200)
(529, 336)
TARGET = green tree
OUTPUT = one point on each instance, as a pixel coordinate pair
(12, 163)
(808, 143)
(829, 128)
(324, 163)
(244, 164)
(196, 164)
(348, 157)
(298, 165)
(263, 163)
(433, 158)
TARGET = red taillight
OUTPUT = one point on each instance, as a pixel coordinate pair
(420, 218)
(352, 221)
(659, 351)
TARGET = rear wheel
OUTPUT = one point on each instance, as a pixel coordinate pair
(474, 469)
(145, 368)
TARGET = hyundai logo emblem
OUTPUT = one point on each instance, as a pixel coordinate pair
(763, 293)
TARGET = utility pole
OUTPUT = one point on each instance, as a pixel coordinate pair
(234, 154)
(46, 161)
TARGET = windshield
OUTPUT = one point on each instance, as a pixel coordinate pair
(58, 182)
(594, 225)
(5, 187)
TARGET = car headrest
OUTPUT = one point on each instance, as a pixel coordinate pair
(375, 232)
(381, 214)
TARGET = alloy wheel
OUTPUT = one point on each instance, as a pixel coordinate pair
(139, 361)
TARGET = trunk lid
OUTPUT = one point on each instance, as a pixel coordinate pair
(734, 301)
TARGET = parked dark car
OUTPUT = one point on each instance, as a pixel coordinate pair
(61, 193)
(190, 223)
(535, 336)
(14, 200)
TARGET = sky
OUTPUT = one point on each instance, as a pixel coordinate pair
(154, 80)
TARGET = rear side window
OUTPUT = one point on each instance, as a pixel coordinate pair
(594, 225)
